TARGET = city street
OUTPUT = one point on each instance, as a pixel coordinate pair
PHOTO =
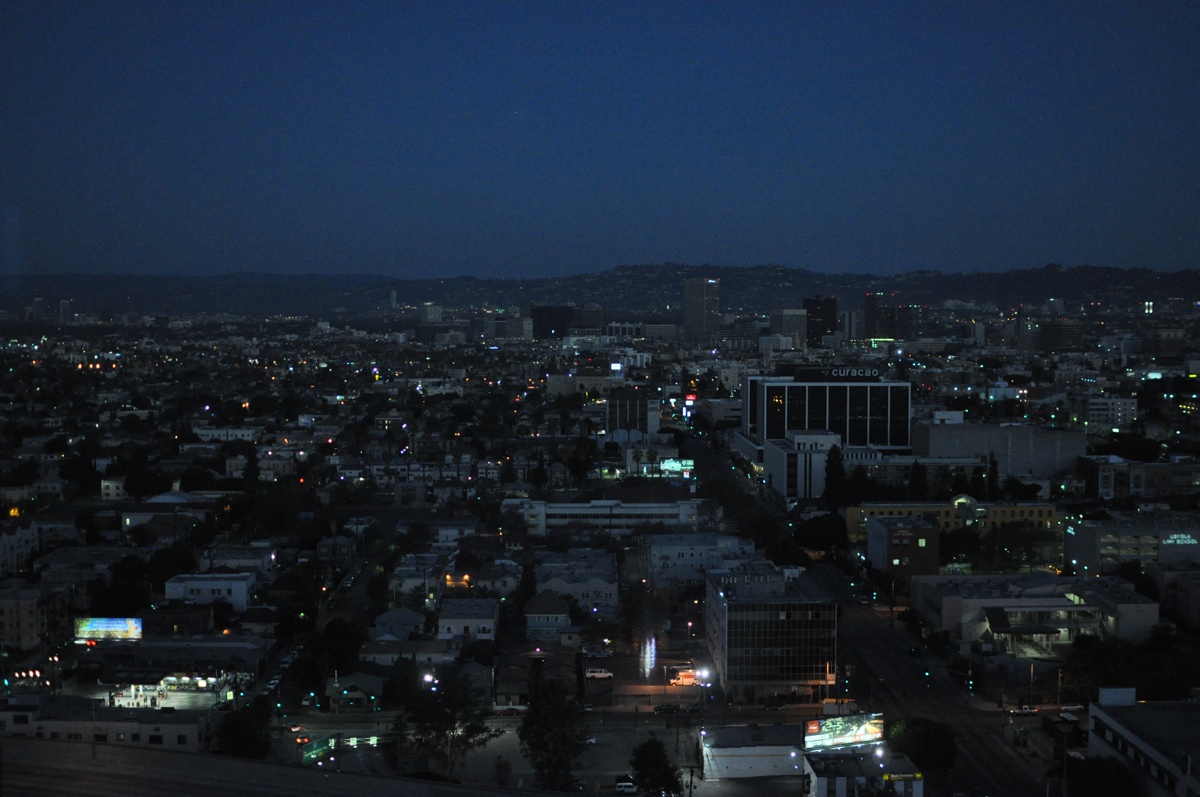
(888, 679)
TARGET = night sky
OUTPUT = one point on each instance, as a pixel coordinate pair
(419, 139)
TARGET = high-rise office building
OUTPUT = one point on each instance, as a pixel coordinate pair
(770, 637)
(792, 322)
(551, 321)
(822, 318)
(879, 315)
(854, 403)
(912, 321)
(701, 310)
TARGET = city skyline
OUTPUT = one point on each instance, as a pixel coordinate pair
(531, 140)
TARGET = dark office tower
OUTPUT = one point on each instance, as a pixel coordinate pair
(1062, 334)
(879, 315)
(551, 321)
(911, 321)
(822, 318)
(792, 322)
(701, 310)
(590, 316)
(853, 402)
(65, 316)
(630, 410)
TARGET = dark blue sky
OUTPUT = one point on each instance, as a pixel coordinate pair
(421, 139)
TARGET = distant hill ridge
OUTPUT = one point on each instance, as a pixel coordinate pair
(642, 290)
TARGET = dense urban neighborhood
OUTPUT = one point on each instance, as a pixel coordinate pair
(843, 547)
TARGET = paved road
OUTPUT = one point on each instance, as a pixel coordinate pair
(887, 679)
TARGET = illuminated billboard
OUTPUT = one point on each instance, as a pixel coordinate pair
(833, 732)
(108, 628)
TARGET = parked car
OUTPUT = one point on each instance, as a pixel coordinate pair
(667, 708)
(624, 785)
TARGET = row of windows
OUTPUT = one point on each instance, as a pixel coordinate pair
(863, 414)
(945, 514)
(154, 738)
(1133, 753)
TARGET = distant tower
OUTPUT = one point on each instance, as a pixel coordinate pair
(551, 321)
(792, 322)
(879, 315)
(430, 313)
(701, 310)
(65, 316)
(911, 321)
(822, 318)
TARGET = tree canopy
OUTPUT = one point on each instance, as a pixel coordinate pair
(929, 743)
(653, 770)
(446, 720)
(552, 736)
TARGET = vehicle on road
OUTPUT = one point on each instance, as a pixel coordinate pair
(597, 672)
(667, 708)
(1023, 711)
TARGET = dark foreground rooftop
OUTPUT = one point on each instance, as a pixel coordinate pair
(40, 767)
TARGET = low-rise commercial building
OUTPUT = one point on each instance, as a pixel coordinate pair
(236, 589)
(1000, 612)
(1156, 741)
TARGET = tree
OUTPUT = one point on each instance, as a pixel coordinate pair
(1096, 775)
(835, 478)
(653, 771)
(551, 735)
(245, 733)
(929, 743)
(501, 771)
(447, 721)
(918, 481)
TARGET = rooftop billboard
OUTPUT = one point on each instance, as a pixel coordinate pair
(833, 732)
(108, 628)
